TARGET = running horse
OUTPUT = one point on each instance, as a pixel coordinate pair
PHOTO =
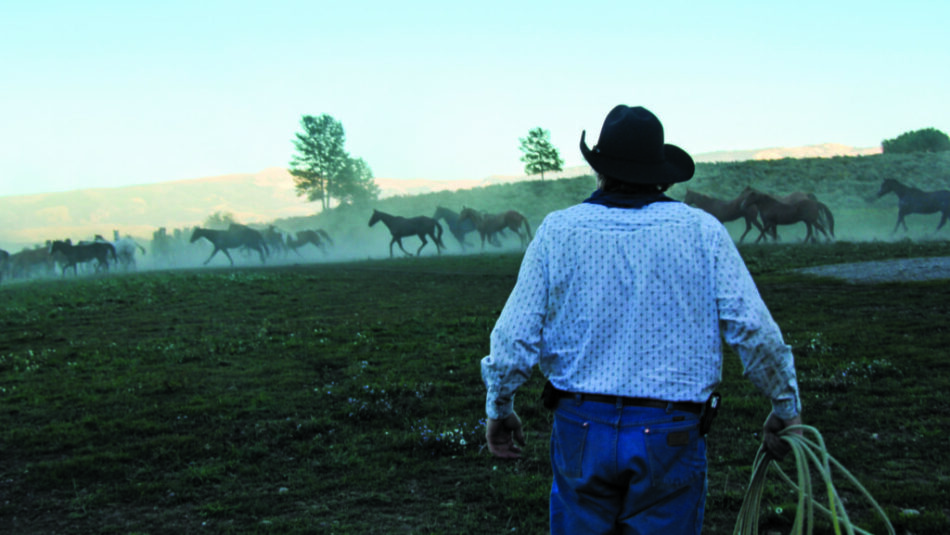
(915, 201)
(457, 227)
(400, 227)
(774, 212)
(4, 260)
(490, 224)
(314, 237)
(726, 211)
(83, 252)
(235, 236)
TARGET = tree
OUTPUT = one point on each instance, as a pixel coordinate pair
(539, 154)
(355, 185)
(220, 220)
(320, 157)
(924, 140)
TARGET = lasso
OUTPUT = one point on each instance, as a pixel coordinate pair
(805, 451)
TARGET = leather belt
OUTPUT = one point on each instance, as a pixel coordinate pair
(695, 408)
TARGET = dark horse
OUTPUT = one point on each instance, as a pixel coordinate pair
(490, 224)
(314, 237)
(775, 212)
(825, 217)
(236, 236)
(726, 211)
(401, 227)
(915, 201)
(4, 259)
(457, 227)
(83, 252)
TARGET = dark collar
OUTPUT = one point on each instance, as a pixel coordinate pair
(625, 200)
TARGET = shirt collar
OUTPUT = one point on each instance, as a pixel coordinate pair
(615, 199)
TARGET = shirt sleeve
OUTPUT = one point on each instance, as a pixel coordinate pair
(516, 339)
(748, 327)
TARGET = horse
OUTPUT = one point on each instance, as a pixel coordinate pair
(775, 212)
(825, 217)
(457, 227)
(4, 260)
(726, 211)
(83, 252)
(235, 236)
(401, 227)
(915, 201)
(275, 240)
(125, 248)
(490, 224)
(29, 262)
(315, 237)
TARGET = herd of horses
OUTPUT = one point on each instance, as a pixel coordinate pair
(64, 253)
(489, 227)
(766, 212)
(757, 209)
(265, 243)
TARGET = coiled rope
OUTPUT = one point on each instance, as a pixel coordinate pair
(805, 450)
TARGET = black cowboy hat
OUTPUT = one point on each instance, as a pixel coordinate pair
(631, 149)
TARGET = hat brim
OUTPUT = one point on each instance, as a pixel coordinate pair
(677, 166)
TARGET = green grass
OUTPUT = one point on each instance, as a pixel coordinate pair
(346, 398)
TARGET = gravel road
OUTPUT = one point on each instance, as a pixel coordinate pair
(897, 270)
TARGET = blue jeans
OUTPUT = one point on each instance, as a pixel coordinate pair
(630, 470)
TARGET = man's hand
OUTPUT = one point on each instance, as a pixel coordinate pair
(502, 435)
(774, 445)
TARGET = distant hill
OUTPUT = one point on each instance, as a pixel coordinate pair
(251, 198)
(824, 150)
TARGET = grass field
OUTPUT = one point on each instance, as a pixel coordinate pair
(346, 398)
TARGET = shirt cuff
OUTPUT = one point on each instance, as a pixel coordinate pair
(499, 408)
(786, 409)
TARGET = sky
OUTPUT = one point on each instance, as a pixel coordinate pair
(102, 94)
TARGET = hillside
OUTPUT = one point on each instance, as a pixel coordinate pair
(846, 184)
(268, 196)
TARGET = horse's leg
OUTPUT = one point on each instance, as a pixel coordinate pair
(399, 242)
(763, 233)
(438, 245)
(458, 236)
(900, 221)
(261, 252)
(943, 220)
(748, 227)
(212, 255)
(227, 254)
(422, 236)
(808, 235)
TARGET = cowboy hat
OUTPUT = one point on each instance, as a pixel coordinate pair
(631, 149)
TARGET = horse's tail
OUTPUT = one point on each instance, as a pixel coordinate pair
(438, 235)
(828, 217)
(112, 250)
(527, 227)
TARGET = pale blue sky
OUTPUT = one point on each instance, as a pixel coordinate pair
(105, 94)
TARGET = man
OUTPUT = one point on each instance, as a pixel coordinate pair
(623, 301)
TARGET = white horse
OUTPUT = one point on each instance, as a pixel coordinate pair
(125, 249)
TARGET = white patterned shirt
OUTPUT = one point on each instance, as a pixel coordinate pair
(635, 302)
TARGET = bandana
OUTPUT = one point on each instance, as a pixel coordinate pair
(625, 200)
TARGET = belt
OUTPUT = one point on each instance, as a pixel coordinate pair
(695, 408)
